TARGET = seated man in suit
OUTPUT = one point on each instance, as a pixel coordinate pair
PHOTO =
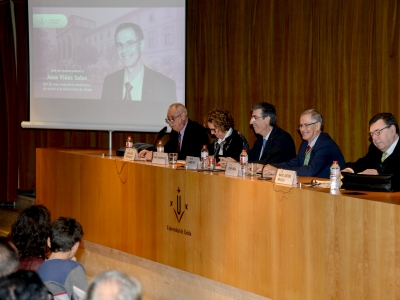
(136, 82)
(316, 153)
(273, 144)
(187, 137)
(383, 155)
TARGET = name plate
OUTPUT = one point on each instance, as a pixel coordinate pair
(286, 177)
(192, 162)
(232, 169)
(160, 158)
(131, 154)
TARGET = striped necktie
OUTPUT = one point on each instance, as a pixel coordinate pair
(384, 155)
(128, 88)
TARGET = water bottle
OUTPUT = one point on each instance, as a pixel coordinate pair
(335, 178)
(243, 162)
(160, 146)
(204, 157)
(129, 142)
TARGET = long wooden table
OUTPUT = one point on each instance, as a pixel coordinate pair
(276, 241)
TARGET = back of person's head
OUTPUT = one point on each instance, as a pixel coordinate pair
(64, 234)
(23, 285)
(9, 259)
(267, 110)
(114, 285)
(30, 231)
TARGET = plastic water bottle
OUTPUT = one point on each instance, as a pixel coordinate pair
(335, 178)
(243, 162)
(204, 157)
(129, 142)
(160, 146)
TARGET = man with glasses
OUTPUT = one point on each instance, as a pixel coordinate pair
(136, 82)
(273, 143)
(383, 155)
(187, 137)
(316, 153)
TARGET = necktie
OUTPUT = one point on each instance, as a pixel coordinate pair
(262, 149)
(308, 149)
(128, 88)
(178, 147)
(384, 154)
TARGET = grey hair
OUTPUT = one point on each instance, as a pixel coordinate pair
(179, 106)
(315, 116)
(129, 288)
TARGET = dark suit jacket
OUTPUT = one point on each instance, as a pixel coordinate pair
(156, 86)
(324, 152)
(373, 161)
(193, 140)
(233, 146)
(280, 142)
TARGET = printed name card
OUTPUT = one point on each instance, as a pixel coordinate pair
(286, 177)
(160, 158)
(232, 169)
(131, 154)
(192, 162)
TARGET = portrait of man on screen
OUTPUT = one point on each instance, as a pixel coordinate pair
(135, 82)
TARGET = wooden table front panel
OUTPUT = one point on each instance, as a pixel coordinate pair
(275, 241)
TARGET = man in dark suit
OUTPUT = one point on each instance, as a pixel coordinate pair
(187, 137)
(273, 143)
(135, 82)
(383, 155)
(316, 153)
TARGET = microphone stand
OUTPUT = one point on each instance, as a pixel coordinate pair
(159, 136)
(266, 161)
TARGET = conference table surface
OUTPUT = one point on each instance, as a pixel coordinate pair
(280, 242)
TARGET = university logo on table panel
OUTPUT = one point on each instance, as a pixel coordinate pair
(178, 208)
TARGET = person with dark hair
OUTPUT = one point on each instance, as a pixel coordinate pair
(136, 82)
(29, 234)
(62, 267)
(273, 143)
(383, 156)
(114, 285)
(23, 285)
(228, 142)
(9, 259)
(316, 153)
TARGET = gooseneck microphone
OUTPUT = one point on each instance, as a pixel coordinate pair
(273, 153)
(160, 136)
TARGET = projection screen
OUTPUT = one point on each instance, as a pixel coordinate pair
(105, 65)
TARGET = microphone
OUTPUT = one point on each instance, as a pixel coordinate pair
(159, 136)
(273, 153)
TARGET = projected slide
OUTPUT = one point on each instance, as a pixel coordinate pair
(105, 65)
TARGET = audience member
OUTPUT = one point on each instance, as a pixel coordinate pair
(187, 137)
(62, 267)
(316, 153)
(9, 259)
(114, 285)
(228, 142)
(383, 155)
(29, 234)
(23, 285)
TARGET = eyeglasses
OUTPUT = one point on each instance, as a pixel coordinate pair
(172, 120)
(213, 130)
(378, 131)
(128, 45)
(300, 126)
(254, 118)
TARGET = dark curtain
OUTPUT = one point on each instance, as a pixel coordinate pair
(340, 57)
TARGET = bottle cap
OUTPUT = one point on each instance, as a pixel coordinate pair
(129, 137)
